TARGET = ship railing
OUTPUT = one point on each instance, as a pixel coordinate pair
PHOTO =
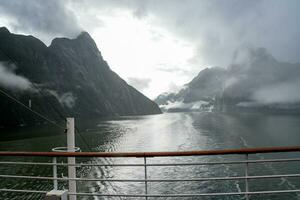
(245, 193)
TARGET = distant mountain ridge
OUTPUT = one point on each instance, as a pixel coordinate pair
(199, 94)
(255, 81)
(68, 78)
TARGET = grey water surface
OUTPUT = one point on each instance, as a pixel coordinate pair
(165, 132)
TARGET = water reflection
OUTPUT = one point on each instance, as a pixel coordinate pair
(174, 132)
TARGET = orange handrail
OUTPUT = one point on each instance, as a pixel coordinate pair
(155, 154)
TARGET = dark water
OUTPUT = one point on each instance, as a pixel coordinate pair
(166, 132)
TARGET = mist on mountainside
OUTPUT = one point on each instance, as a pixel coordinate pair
(67, 78)
(254, 79)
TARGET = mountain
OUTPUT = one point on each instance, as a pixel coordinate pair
(254, 81)
(68, 78)
(199, 94)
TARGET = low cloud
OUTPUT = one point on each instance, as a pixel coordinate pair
(10, 80)
(174, 88)
(67, 99)
(165, 68)
(254, 79)
(288, 92)
(193, 106)
(256, 76)
(139, 83)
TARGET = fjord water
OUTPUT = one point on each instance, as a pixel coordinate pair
(166, 132)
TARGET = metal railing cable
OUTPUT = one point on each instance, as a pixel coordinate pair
(22, 104)
(246, 176)
(50, 121)
(31, 110)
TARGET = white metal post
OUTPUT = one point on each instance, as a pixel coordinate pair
(246, 177)
(146, 177)
(71, 160)
(29, 103)
(55, 185)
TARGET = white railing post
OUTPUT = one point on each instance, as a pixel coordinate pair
(246, 178)
(146, 182)
(55, 184)
(71, 160)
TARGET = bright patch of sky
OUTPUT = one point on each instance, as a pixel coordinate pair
(136, 48)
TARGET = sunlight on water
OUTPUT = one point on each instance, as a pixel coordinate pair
(156, 133)
(171, 132)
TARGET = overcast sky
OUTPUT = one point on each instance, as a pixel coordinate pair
(160, 45)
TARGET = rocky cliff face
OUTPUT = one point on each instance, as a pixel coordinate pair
(68, 78)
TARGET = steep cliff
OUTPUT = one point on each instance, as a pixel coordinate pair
(68, 78)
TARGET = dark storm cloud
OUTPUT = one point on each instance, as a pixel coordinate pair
(215, 28)
(48, 18)
(218, 28)
(139, 83)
